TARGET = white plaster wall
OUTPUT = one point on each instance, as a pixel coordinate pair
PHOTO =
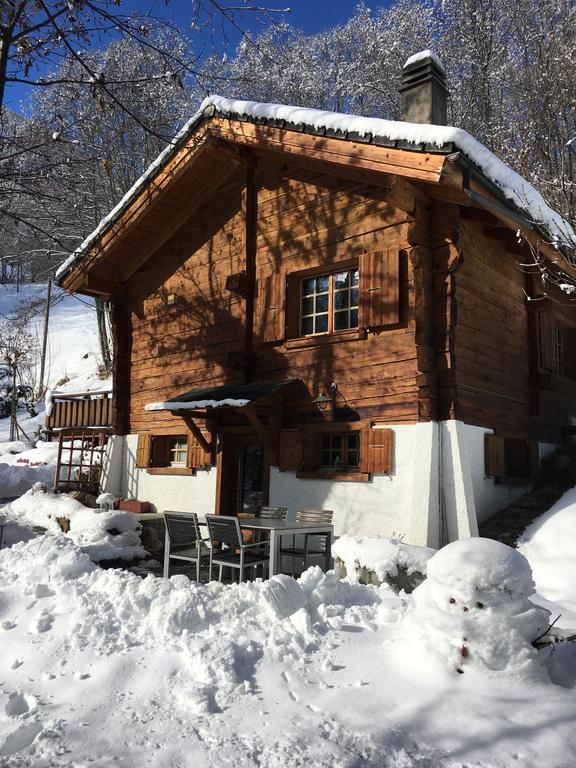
(113, 464)
(489, 497)
(395, 505)
(458, 508)
(182, 493)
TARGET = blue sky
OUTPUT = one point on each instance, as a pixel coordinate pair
(308, 15)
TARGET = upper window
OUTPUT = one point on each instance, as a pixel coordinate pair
(329, 302)
(565, 351)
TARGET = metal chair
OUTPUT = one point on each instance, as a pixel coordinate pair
(225, 531)
(183, 540)
(273, 513)
(313, 544)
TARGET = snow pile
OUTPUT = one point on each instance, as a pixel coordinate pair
(22, 465)
(549, 543)
(101, 666)
(102, 536)
(380, 555)
(473, 611)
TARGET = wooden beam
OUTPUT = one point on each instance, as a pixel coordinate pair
(404, 162)
(234, 154)
(195, 429)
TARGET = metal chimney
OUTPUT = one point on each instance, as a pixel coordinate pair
(424, 91)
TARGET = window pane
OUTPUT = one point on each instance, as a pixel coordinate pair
(308, 286)
(354, 297)
(325, 442)
(325, 460)
(307, 306)
(321, 324)
(355, 276)
(341, 299)
(322, 303)
(352, 459)
(307, 326)
(322, 283)
(341, 320)
(353, 318)
(341, 279)
(352, 442)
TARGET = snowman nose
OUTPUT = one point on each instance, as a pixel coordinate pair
(465, 609)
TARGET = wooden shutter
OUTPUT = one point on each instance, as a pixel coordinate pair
(292, 319)
(377, 451)
(196, 456)
(144, 450)
(494, 456)
(380, 288)
(269, 321)
(569, 344)
(291, 454)
(546, 341)
(311, 451)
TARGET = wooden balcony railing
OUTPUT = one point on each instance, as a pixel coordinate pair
(80, 409)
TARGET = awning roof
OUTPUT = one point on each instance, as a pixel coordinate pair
(234, 395)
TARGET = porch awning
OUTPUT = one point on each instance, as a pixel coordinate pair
(233, 395)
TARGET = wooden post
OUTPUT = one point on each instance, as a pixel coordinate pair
(45, 339)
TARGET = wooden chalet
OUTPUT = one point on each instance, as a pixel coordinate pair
(317, 310)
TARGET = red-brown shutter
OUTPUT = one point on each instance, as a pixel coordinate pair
(377, 451)
(546, 341)
(291, 454)
(196, 456)
(380, 288)
(269, 321)
(494, 456)
(144, 449)
(311, 451)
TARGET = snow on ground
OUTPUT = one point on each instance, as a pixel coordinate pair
(101, 667)
(110, 535)
(380, 555)
(549, 543)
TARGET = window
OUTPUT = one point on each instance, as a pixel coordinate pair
(177, 451)
(340, 451)
(565, 347)
(171, 454)
(329, 302)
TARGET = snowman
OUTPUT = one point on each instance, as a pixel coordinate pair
(474, 611)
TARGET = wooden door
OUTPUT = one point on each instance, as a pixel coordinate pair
(244, 476)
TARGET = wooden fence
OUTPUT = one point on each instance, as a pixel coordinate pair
(80, 409)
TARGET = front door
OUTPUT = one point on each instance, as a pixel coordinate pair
(244, 476)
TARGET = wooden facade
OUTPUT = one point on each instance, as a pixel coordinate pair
(204, 270)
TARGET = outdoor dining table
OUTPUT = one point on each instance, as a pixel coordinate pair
(279, 528)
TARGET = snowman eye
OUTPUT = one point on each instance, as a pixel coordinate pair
(479, 605)
(452, 601)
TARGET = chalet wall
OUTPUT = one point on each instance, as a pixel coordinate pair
(497, 384)
(307, 219)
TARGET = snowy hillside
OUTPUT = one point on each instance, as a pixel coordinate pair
(72, 362)
(73, 350)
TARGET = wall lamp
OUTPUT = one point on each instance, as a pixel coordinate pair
(326, 400)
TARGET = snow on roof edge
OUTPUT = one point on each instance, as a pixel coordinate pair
(514, 187)
(168, 405)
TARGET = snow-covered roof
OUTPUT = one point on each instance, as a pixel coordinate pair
(233, 395)
(413, 136)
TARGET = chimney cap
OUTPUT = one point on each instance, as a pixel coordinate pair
(424, 56)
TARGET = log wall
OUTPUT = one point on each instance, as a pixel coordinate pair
(305, 219)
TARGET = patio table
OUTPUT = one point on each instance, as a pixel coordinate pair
(279, 528)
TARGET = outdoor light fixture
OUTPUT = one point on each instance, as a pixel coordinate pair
(325, 401)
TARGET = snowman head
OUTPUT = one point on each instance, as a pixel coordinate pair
(474, 577)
